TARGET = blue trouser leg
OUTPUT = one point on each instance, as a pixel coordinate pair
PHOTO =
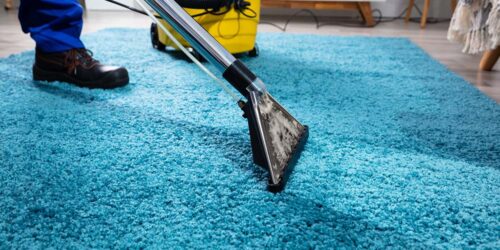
(55, 25)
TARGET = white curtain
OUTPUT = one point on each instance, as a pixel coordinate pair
(476, 24)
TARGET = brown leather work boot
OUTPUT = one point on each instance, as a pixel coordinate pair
(77, 66)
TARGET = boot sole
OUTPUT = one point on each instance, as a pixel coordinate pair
(106, 82)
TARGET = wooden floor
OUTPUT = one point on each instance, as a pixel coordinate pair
(432, 39)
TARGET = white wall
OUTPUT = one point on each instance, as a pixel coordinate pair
(103, 5)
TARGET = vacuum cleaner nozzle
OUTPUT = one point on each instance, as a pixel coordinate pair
(277, 137)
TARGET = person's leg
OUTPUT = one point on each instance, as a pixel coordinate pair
(56, 26)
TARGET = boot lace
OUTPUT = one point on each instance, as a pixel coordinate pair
(79, 57)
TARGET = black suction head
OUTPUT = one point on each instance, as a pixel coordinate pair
(277, 137)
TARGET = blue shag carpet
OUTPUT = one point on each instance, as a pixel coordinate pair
(402, 152)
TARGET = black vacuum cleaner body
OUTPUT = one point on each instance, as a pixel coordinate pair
(277, 137)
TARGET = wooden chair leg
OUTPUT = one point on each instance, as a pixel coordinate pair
(425, 13)
(489, 59)
(365, 9)
(8, 4)
(408, 10)
(453, 6)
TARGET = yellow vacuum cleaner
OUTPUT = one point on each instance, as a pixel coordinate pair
(233, 23)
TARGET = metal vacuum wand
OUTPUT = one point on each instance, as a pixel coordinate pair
(277, 137)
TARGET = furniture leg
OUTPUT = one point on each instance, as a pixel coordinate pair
(408, 10)
(425, 13)
(453, 6)
(8, 4)
(365, 9)
(489, 59)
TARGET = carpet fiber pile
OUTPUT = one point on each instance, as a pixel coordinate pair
(402, 152)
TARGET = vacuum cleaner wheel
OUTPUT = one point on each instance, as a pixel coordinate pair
(254, 52)
(155, 40)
